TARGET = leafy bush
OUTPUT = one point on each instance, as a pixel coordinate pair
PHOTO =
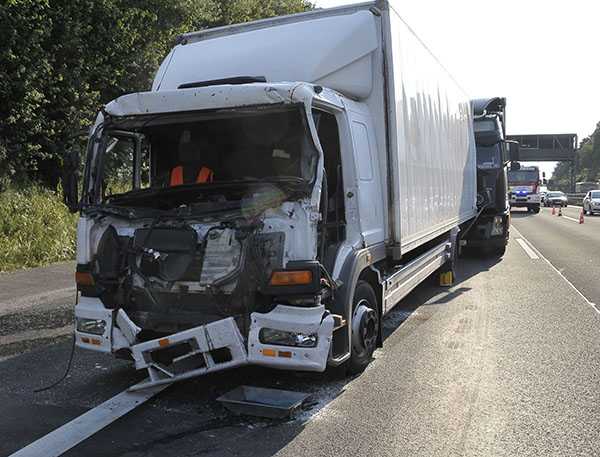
(60, 60)
(587, 164)
(35, 228)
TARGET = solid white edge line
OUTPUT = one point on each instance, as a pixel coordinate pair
(593, 305)
(530, 252)
(72, 433)
(571, 218)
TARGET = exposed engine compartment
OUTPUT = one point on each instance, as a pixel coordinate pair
(172, 275)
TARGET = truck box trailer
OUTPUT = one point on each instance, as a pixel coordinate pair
(282, 186)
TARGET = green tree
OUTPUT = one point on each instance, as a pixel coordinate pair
(60, 60)
(587, 163)
(236, 11)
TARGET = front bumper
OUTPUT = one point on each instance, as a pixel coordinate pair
(92, 308)
(521, 201)
(482, 233)
(212, 347)
(292, 319)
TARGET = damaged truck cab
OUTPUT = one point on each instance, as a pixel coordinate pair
(172, 256)
(274, 219)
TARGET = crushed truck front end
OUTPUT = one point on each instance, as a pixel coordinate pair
(189, 271)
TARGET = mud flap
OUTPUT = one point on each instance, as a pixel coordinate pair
(205, 349)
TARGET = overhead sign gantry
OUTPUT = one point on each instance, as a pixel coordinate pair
(547, 148)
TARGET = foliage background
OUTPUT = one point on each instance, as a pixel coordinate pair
(587, 164)
(60, 61)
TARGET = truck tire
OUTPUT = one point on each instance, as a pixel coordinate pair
(536, 209)
(365, 327)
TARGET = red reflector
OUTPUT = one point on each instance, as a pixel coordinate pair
(84, 278)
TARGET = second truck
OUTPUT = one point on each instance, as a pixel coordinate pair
(282, 186)
(524, 187)
(489, 232)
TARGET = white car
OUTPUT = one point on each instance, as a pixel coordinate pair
(591, 202)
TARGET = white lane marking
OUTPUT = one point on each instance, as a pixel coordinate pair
(72, 433)
(530, 252)
(571, 218)
(593, 305)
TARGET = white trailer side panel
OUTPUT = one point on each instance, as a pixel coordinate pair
(431, 140)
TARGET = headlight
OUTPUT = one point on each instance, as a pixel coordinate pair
(284, 338)
(92, 326)
(497, 226)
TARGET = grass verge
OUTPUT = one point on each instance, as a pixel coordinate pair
(35, 228)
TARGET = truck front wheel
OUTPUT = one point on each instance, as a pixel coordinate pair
(365, 327)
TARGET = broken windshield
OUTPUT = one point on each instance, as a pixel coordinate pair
(164, 161)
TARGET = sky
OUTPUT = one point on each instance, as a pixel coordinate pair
(543, 55)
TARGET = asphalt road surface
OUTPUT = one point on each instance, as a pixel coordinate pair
(573, 248)
(504, 363)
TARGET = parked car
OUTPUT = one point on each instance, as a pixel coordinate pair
(556, 199)
(591, 202)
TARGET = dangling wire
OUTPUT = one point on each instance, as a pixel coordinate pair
(62, 378)
(66, 371)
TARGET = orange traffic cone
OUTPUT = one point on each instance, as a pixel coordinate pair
(581, 217)
(560, 210)
(553, 210)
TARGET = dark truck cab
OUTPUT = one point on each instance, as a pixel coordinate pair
(489, 232)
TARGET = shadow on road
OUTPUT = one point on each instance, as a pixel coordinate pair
(521, 214)
(185, 419)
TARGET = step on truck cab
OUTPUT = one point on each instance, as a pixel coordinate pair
(282, 186)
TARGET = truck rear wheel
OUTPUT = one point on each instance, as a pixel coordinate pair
(365, 327)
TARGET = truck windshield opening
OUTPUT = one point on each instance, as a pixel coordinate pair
(174, 153)
(488, 156)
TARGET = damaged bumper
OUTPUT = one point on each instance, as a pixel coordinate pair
(212, 347)
(292, 338)
(307, 332)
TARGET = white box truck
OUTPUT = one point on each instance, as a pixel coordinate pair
(282, 186)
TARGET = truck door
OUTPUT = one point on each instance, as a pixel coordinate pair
(369, 188)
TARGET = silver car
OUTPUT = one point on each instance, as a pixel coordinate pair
(591, 202)
(556, 199)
